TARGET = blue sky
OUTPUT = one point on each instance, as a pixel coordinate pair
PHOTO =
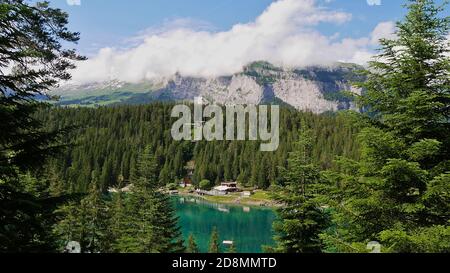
(110, 22)
(211, 37)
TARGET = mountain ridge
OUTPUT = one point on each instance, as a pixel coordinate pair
(316, 89)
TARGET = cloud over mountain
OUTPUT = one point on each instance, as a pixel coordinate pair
(283, 34)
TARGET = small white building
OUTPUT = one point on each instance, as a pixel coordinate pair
(219, 190)
(222, 188)
(225, 188)
(246, 194)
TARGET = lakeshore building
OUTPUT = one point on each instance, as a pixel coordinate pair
(225, 188)
(246, 194)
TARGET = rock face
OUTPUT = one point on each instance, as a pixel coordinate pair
(303, 95)
(237, 89)
(316, 89)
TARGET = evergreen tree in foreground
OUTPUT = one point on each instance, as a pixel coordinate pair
(399, 192)
(32, 61)
(150, 224)
(119, 220)
(30, 44)
(95, 212)
(141, 221)
(86, 223)
(301, 220)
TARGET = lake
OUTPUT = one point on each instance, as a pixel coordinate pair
(248, 227)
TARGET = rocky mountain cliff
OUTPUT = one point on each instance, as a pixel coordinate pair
(316, 89)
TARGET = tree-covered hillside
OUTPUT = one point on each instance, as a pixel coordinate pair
(108, 140)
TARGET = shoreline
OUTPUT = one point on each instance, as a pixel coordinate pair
(233, 200)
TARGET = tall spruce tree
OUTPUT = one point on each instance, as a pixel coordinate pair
(396, 193)
(119, 220)
(301, 219)
(152, 224)
(32, 60)
(69, 227)
(86, 223)
(95, 211)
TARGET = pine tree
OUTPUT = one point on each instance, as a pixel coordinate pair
(152, 222)
(31, 44)
(407, 86)
(301, 220)
(405, 143)
(106, 177)
(94, 208)
(214, 245)
(255, 172)
(69, 227)
(55, 184)
(166, 232)
(119, 221)
(86, 222)
(192, 245)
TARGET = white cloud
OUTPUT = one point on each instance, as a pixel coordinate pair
(283, 34)
(171, 25)
(73, 2)
(374, 2)
(383, 30)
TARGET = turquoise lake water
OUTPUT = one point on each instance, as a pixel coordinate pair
(248, 227)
